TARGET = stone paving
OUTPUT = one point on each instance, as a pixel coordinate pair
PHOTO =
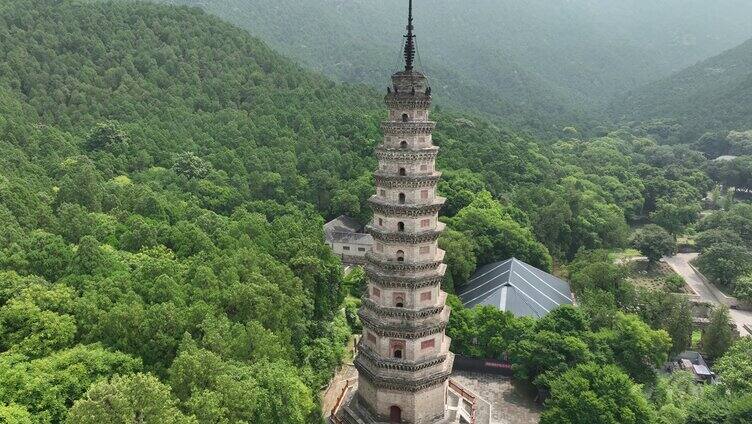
(508, 405)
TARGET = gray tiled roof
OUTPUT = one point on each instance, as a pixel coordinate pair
(344, 229)
(516, 287)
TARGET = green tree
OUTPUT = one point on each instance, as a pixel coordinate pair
(459, 257)
(135, 398)
(743, 289)
(544, 355)
(106, 135)
(654, 242)
(715, 236)
(724, 263)
(594, 394)
(48, 386)
(496, 236)
(484, 331)
(14, 414)
(719, 334)
(47, 255)
(637, 348)
(741, 411)
(735, 367)
(709, 409)
(675, 215)
(191, 166)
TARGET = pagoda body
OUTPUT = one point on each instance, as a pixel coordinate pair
(403, 359)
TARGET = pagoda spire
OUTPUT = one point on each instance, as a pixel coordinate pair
(410, 44)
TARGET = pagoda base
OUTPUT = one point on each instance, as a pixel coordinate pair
(460, 409)
(353, 412)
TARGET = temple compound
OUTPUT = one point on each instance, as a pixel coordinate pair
(403, 360)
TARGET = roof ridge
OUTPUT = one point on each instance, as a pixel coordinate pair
(498, 265)
(530, 271)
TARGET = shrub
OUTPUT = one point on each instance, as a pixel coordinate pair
(674, 283)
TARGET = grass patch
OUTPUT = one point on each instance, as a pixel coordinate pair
(651, 276)
(621, 255)
(696, 339)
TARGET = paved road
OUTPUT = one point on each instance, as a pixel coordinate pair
(680, 264)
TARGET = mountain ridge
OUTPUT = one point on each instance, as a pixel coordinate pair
(541, 64)
(712, 95)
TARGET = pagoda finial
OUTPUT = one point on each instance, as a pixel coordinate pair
(410, 44)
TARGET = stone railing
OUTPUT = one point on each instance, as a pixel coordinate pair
(404, 236)
(410, 210)
(412, 282)
(398, 364)
(406, 155)
(406, 181)
(404, 312)
(470, 397)
(401, 383)
(408, 128)
(334, 417)
(404, 329)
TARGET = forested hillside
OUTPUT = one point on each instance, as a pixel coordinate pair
(536, 64)
(714, 95)
(176, 245)
(164, 179)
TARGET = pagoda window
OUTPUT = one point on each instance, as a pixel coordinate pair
(397, 347)
(402, 172)
(382, 193)
(399, 302)
(401, 227)
(403, 144)
(425, 223)
(424, 167)
(405, 117)
(402, 198)
(381, 222)
(424, 194)
(400, 256)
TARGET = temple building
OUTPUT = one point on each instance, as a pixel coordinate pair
(345, 236)
(403, 360)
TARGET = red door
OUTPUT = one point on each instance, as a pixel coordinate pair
(395, 416)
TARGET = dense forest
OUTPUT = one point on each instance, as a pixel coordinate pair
(534, 63)
(163, 185)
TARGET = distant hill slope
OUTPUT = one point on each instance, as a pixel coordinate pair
(713, 95)
(533, 62)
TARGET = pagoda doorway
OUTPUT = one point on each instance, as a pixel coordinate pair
(395, 415)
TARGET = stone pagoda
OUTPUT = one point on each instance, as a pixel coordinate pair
(403, 359)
